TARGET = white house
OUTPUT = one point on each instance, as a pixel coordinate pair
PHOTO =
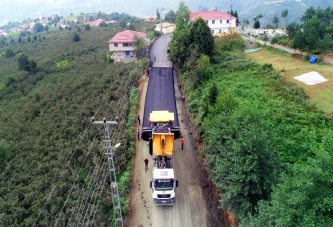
(165, 27)
(122, 45)
(217, 21)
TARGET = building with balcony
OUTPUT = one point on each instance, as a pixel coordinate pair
(122, 45)
(218, 22)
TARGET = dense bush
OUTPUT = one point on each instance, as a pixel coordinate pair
(259, 133)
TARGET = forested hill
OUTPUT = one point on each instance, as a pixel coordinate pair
(52, 161)
(250, 8)
(246, 8)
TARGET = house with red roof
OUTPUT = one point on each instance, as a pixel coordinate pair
(3, 32)
(122, 45)
(218, 22)
(95, 22)
(150, 18)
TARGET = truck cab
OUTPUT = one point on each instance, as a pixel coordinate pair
(163, 185)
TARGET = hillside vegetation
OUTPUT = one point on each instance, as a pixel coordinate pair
(53, 166)
(267, 149)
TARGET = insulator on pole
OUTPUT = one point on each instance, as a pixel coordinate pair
(104, 120)
(117, 119)
(92, 119)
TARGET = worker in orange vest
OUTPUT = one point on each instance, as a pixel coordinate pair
(182, 142)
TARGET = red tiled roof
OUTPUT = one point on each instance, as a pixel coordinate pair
(211, 15)
(95, 22)
(126, 36)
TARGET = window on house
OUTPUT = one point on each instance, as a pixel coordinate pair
(125, 45)
(207, 21)
(220, 21)
(220, 30)
(212, 32)
(227, 21)
(115, 44)
(213, 21)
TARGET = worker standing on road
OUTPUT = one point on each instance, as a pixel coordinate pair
(146, 164)
(139, 119)
(138, 134)
(182, 142)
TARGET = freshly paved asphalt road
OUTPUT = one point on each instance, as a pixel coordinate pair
(160, 93)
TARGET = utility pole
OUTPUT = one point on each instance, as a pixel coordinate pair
(118, 217)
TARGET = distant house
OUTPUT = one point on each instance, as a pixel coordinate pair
(150, 18)
(3, 32)
(165, 27)
(95, 22)
(122, 45)
(217, 21)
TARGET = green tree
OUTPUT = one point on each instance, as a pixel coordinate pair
(182, 16)
(265, 37)
(76, 37)
(131, 27)
(9, 52)
(246, 22)
(38, 27)
(309, 13)
(258, 17)
(179, 46)
(46, 28)
(123, 23)
(29, 39)
(240, 155)
(284, 15)
(158, 15)
(311, 33)
(24, 64)
(299, 41)
(325, 44)
(304, 197)
(292, 28)
(274, 40)
(181, 40)
(140, 47)
(35, 37)
(87, 27)
(4, 151)
(9, 81)
(276, 21)
(170, 16)
(256, 24)
(202, 37)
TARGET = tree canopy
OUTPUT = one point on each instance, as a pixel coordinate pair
(202, 37)
(24, 64)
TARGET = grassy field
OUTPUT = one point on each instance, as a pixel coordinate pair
(320, 94)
